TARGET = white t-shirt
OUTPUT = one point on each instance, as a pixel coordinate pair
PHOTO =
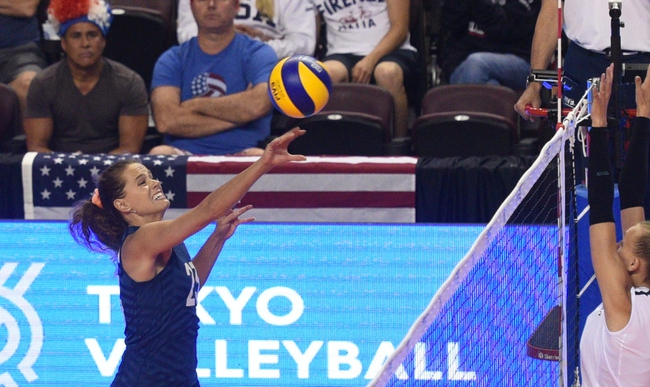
(355, 27)
(587, 23)
(617, 359)
(293, 28)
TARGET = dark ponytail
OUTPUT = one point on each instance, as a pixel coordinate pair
(98, 228)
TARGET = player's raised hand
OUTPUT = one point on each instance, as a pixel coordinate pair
(277, 152)
(643, 95)
(601, 96)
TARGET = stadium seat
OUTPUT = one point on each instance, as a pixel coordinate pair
(357, 121)
(466, 120)
(10, 121)
(141, 31)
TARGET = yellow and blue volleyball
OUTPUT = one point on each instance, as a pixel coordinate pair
(299, 86)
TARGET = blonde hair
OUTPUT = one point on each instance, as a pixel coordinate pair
(642, 245)
(266, 8)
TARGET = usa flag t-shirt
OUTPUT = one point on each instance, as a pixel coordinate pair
(242, 63)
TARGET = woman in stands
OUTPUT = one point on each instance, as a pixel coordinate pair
(159, 283)
(615, 342)
(288, 26)
(369, 41)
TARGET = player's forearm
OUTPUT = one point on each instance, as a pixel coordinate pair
(207, 256)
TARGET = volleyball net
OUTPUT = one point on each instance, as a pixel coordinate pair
(507, 315)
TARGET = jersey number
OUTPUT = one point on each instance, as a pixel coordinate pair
(190, 270)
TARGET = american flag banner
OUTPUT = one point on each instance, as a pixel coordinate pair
(54, 182)
(321, 189)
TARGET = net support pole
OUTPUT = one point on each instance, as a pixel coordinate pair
(615, 9)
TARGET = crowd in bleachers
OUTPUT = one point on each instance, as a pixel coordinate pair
(146, 79)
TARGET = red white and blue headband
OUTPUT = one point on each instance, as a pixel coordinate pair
(62, 14)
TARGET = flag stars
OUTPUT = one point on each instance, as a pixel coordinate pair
(46, 194)
(70, 194)
(57, 182)
(108, 162)
(83, 161)
(94, 171)
(170, 195)
(169, 172)
(69, 171)
(82, 182)
(45, 171)
(58, 160)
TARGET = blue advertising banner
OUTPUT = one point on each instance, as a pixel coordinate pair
(285, 305)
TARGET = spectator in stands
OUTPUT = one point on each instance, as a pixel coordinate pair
(20, 54)
(209, 95)
(288, 26)
(587, 26)
(369, 41)
(488, 41)
(615, 341)
(85, 103)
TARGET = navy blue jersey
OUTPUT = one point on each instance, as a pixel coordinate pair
(161, 325)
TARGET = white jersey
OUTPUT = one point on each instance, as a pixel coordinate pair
(293, 28)
(587, 23)
(618, 359)
(355, 27)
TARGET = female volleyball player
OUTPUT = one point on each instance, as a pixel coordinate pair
(158, 281)
(615, 344)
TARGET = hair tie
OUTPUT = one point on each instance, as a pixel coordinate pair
(96, 200)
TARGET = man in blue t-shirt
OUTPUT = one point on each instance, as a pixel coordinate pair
(20, 54)
(209, 95)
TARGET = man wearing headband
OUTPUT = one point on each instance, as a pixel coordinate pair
(85, 103)
(20, 55)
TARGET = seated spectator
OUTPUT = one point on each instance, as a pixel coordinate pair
(85, 103)
(488, 41)
(209, 95)
(20, 54)
(288, 26)
(369, 41)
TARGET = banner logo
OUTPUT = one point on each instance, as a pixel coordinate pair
(9, 323)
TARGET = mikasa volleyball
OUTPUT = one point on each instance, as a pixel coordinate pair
(299, 86)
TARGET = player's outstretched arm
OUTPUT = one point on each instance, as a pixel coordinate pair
(160, 236)
(611, 272)
(209, 252)
(634, 174)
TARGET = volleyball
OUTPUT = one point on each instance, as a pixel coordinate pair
(299, 86)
